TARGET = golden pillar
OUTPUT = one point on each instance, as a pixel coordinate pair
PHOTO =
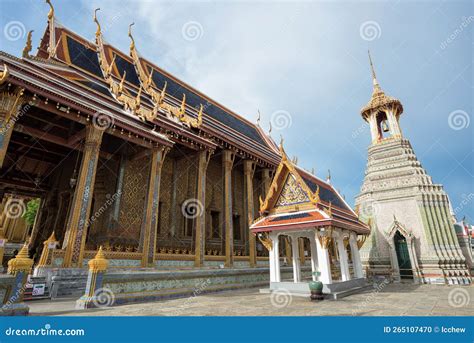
(10, 105)
(249, 170)
(81, 204)
(150, 223)
(228, 161)
(200, 235)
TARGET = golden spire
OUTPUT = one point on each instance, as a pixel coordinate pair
(28, 45)
(132, 43)
(51, 10)
(281, 141)
(52, 46)
(374, 77)
(98, 32)
(328, 179)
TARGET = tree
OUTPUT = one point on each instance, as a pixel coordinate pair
(31, 210)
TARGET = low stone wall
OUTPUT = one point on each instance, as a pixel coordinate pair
(120, 287)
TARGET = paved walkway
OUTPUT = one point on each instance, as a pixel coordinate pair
(385, 300)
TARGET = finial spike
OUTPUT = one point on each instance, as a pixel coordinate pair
(374, 77)
(28, 45)
(270, 129)
(328, 179)
(258, 118)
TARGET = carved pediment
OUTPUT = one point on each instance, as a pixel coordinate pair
(291, 193)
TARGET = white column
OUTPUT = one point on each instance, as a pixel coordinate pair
(324, 264)
(343, 259)
(314, 256)
(356, 263)
(274, 259)
(296, 260)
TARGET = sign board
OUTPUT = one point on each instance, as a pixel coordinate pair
(38, 289)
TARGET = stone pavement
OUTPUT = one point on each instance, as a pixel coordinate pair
(385, 300)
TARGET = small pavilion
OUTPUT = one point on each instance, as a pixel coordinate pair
(301, 207)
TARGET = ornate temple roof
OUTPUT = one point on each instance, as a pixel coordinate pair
(379, 99)
(81, 55)
(297, 200)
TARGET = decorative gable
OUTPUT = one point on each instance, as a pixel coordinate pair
(292, 193)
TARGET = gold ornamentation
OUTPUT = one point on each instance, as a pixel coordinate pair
(361, 241)
(291, 193)
(4, 74)
(158, 98)
(99, 263)
(328, 211)
(43, 261)
(28, 45)
(128, 102)
(21, 262)
(52, 31)
(284, 169)
(266, 241)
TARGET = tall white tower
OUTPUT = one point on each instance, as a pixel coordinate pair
(412, 229)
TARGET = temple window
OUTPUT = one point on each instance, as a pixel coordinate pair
(236, 226)
(215, 224)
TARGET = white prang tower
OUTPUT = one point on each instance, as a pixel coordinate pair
(412, 236)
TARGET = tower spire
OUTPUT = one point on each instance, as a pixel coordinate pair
(374, 77)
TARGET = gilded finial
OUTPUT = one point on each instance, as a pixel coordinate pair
(28, 45)
(182, 108)
(258, 118)
(328, 179)
(139, 96)
(98, 32)
(281, 141)
(150, 77)
(163, 92)
(51, 10)
(4, 74)
(122, 82)
(374, 77)
(132, 43)
(109, 70)
(270, 129)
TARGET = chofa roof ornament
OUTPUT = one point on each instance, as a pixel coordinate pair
(146, 80)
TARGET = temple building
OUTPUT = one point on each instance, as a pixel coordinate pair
(299, 207)
(124, 156)
(412, 228)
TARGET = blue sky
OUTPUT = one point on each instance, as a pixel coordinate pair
(306, 62)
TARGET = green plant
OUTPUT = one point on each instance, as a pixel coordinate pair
(31, 210)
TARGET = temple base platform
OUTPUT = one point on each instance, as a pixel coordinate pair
(333, 291)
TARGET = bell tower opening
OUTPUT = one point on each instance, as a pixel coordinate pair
(383, 129)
